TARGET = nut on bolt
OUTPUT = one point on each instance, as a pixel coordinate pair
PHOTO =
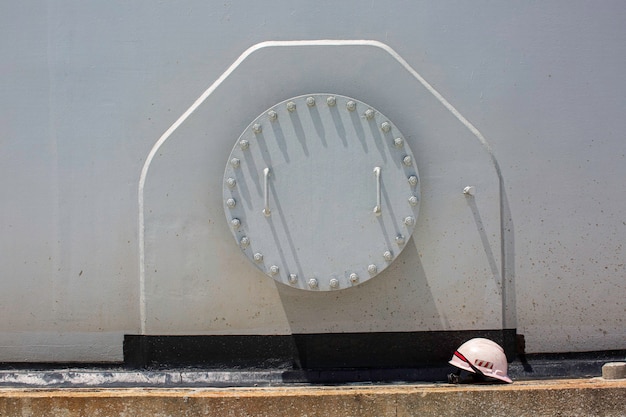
(331, 101)
(291, 106)
(312, 283)
(334, 283)
(385, 127)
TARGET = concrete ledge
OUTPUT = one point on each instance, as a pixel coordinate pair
(589, 397)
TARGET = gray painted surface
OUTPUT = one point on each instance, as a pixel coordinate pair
(87, 89)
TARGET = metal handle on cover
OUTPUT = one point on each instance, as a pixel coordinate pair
(266, 210)
(378, 208)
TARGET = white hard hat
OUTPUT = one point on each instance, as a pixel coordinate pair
(482, 356)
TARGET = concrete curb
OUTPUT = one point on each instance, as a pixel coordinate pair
(589, 397)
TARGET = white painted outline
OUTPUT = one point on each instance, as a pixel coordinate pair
(228, 72)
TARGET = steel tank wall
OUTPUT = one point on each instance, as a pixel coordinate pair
(88, 89)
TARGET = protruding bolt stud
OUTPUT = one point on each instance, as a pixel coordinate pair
(331, 101)
(400, 240)
(313, 283)
(257, 128)
(413, 200)
(310, 101)
(235, 223)
(372, 269)
(231, 182)
(244, 242)
(273, 270)
(413, 180)
(334, 283)
(388, 256)
(231, 203)
(354, 278)
(398, 142)
(291, 106)
(470, 190)
(407, 160)
(258, 257)
(235, 162)
(369, 114)
(385, 127)
(272, 115)
(293, 279)
(409, 221)
(244, 144)
(351, 105)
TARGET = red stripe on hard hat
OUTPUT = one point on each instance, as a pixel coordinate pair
(463, 358)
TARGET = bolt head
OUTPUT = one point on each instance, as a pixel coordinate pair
(310, 101)
(231, 182)
(409, 221)
(244, 242)
(235, 162)
(291, 106)
(351, 105)
(354, 278)
(413, 180)
(372, 269)
(273, 270)
(469, 190)
(398, 142)
(313, 283)
(385, 127)
(235, 223)
(413, 200)
(334, 283)
(400, 240)
(244, 144)
(388, 256)
(258, 257)
(407, 160)
(293, 278)
(331, 101)
(369, 114)
(257, 128)
(272, 115)
(231, 203)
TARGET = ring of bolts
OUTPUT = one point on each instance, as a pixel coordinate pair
(408, 221)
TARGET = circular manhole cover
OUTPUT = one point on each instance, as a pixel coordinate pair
(321, 192)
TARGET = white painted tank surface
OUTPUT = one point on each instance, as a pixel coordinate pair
(120, 123)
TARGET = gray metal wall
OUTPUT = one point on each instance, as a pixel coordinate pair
(87, 90)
